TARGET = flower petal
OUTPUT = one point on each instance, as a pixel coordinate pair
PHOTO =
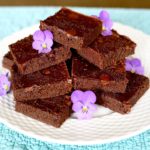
(89, 97)
(83, 116)
(39, 36)
(128, 65)
(103, 15)
(4, 80)
(49, 43)
(108, 24)
(127, 60)
(46, 50)
(37, 45)
(48, 35)
(76, 96)
(2, 92)
(136, 62)
(92, 107)
(139, 70)
(4, 84)
(77, 106)
(3, 77)
(106, 33)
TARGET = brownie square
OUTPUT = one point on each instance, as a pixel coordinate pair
(72, 29)
(107, 50)
(53, 111)
(8, 61)
(29, 60)
(49, 82)
(123, 102)
(86, 76)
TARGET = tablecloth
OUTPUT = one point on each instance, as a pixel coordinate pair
(16, 18)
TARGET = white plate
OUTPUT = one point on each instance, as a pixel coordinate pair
(105, 126)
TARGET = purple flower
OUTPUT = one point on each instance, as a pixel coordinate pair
(83, 104)
(43, 41)
(107, 23)
(134, 65)
(4, 84)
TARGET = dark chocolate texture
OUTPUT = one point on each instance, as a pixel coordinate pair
(53, 111)
(88, 77)
(108, 50)
(29, 60)
(72, 29)
(8, 61)
(123, 102)
(49, 82)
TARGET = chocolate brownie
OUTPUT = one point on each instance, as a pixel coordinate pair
(8, 61)
(107, 50)
(123, 102)
(29, 60)
(49, 82)
(72, 29)
(86, 76)
(53, 111)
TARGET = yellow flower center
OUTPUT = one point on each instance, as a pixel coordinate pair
(103, 28)
(132, 71)
(6, 87)
(44, 45)
(84, 109)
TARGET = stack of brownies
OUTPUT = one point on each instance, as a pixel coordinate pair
(81, 58)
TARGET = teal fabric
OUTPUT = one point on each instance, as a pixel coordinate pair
(14, 19)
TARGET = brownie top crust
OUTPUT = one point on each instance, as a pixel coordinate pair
(112, 43)
(22, 50)
(56, 105)
(46, 76)
(136, 82)
(73, 23)
(82, 68)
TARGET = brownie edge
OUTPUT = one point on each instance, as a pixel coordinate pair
(107, 50)
(49, 82)
(28, 60)
(72, 28)
(8, 62)
(52, 111)
(123, 102)
(86, 76)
